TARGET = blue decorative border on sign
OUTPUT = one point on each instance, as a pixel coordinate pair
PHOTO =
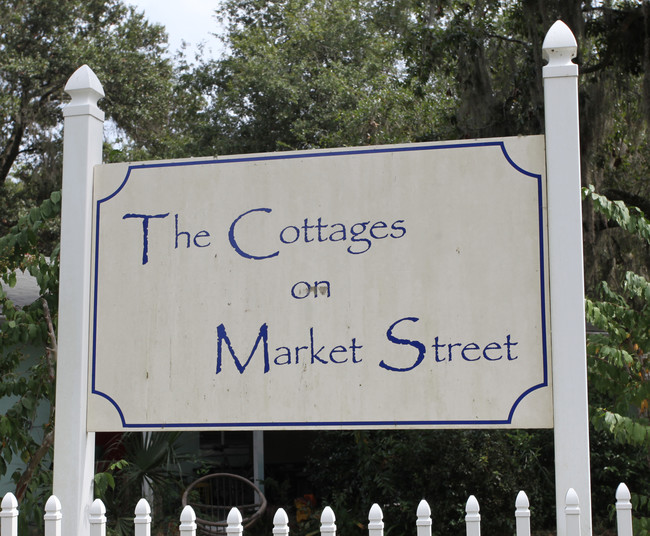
(331, 424)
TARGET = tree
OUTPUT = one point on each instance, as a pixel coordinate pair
(42, 44)
(304, 74)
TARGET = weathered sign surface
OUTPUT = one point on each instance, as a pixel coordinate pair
(373, 287)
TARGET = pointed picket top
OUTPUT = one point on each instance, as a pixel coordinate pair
(472, 517)
(9, 503)
(52, 517)
(472, 508)
(375, 521)
(52, 508)
(327, 516)
(423, 514)
(234, 517)
(280, 517)
(327, 525)
(85, 90)
(280, 522)
(97, 518)
(623, 494)
(142, 511)
(522, 514)
(188, 515)
(327, 522)
(423, 523)
(375, 515)
(572, 513)
(424, 510)
(234, 520)
(188, 521)
(9, 515)
(97, 512)
(522, 504)
(572, 502)
(142, 521)
(623, 511)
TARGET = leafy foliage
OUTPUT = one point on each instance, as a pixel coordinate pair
(42, 44)
(618, 352)
(148, 461)
(630, 219)
(397, 469)
(311, 73)
(28, 355)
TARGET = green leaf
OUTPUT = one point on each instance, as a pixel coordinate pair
(55, 197)
(35, 215)
(47, 209)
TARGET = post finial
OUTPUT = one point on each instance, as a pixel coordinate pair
(85, 90)
(559, 48)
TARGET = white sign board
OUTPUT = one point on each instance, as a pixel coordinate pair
(351, 288)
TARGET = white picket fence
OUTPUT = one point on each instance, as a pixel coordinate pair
(187, 527)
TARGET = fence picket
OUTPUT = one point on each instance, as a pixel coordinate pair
(327, 522)
(188, 522)
(52, 517)
(572, 513)
(280, 523)
(375, 521)
(473, 518)
(142, 521)
(9, 515)
(623, 511)
(234, 519)
(522, 514)
(97, 518)
(423, 523)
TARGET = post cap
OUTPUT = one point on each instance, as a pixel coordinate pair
(560, 45)
(85, 90)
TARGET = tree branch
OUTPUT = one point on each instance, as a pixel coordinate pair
(34, 462)
(11, 150)
(50, 352)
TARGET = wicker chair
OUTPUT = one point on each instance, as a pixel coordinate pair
(213, 496)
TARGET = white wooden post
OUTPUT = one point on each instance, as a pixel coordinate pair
(522, 514)
(572, 513)
(234, 519)
(9, 515)
(142, 520)
(188, 522)
(52, 517)
(74, 447)
(97, 518)
(423, 523)
(623, 511)
(281, 523)
(567, 314)
(375, 521)
(327, 522)
(472, 517)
